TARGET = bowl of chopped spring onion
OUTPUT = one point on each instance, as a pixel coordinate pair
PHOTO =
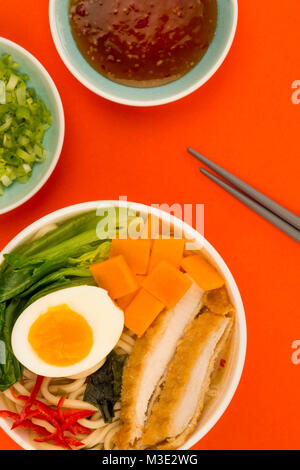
(32, 125)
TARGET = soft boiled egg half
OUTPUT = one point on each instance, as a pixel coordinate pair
(67, 332)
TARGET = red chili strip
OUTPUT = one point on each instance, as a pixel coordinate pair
(30, 400)
(59, 408)
(44, 412)
(62, 420)
(25, 424)
(50, 437)
(76, 416)
(57, 440)
(61, 402)
(61, 443)
(73, 442)
(8, 414)
(34, 427)
(77, 428)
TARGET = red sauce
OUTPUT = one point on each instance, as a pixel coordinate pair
(143, 42)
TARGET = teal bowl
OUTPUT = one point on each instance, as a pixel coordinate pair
(40, 80)
(80, 68)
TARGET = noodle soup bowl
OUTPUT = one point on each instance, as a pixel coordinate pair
(157, 95)
(235, 358)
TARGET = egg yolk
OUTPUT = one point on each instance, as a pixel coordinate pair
(61, 337)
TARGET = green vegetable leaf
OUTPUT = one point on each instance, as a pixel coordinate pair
(10, 368)
(19, 261)
(61, 275)
(97, 255)
(14, 282)
(63, 232)
(59, 285)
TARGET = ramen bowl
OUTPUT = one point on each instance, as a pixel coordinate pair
(90, 78)
(18, 193)
(236, 355)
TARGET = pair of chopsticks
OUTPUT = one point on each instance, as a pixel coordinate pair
(282, 218)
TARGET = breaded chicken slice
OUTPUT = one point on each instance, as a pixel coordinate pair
(147, 364)
(178, 408)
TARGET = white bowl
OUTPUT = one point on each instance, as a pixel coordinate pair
(235, 362)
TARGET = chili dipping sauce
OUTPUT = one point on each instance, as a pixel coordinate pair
(143, 43)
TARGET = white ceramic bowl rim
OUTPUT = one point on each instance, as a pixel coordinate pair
(65, 213)
(140, 103)
(55, 158)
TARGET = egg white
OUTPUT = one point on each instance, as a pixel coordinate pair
(94, 304)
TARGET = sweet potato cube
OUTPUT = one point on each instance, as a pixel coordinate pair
(167, 284)
(142, 311)
(115, 276)
(203, 273)
(135, 251)
(140, 278)
(167, 249)
(123, 302)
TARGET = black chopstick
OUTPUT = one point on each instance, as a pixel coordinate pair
(253, 193)
(285, 220)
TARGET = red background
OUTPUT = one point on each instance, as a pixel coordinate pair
(244, 119)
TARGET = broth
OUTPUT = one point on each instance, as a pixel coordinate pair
(143, 43)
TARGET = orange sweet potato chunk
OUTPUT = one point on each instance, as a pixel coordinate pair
(123, 302)
(142, 311)
(203, 273)
(168, 249)
(136, 253)
(167, 284)
(115, 276)
(140, 278)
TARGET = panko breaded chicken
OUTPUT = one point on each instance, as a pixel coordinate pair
(177, 410)
(148, 363)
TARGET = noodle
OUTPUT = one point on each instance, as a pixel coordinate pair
(44, 424)
(21, 389)
(8, 394)
(73, 389)
(67, 388)
(89, 371)
(80, 391)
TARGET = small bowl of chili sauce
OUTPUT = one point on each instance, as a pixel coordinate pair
(143, 52)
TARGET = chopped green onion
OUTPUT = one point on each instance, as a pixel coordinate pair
(24, 120)
(27, 168)
(12, 82)
(2, 92)
(5, 180)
